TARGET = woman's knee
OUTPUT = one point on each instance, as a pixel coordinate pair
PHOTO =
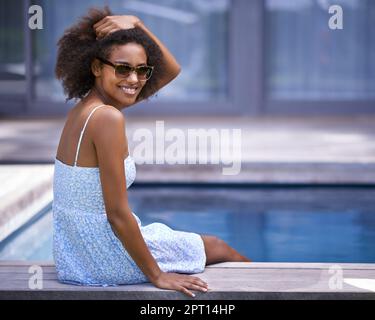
(216, 249)
(212, 242)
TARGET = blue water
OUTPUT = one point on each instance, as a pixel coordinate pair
(268, 225)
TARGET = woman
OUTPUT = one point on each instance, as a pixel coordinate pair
(110, 63)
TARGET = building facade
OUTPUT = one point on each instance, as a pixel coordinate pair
(238, 57)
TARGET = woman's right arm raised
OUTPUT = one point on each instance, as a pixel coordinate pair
(110, 144)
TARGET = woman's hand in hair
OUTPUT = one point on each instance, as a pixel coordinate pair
(111, 24)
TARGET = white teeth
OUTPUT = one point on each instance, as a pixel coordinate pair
(129, 90)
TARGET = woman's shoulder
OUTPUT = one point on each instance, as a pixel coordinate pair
(109, 112)
(104, 112)
(108, 122)
(109, 116)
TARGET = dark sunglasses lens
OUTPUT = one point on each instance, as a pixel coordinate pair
(144, 72)
(123, 70)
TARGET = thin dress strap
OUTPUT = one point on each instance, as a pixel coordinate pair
(83, 130)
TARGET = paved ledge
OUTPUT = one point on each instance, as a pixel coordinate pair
(227, 281)
(277, 149)
(261, 173)
(25, 190)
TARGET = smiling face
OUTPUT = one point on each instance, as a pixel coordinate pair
(120, 91)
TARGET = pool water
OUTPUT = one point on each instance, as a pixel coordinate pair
(267, 225)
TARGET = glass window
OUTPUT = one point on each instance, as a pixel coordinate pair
(195, 31)
(57, 16)
(307, 60)
(12, 66)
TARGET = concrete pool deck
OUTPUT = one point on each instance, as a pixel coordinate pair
(24, 191)
(275, 151)
(242, 281)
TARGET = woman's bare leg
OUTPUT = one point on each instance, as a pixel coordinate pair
(218, 250)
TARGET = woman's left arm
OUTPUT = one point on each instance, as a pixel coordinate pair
(110, 24)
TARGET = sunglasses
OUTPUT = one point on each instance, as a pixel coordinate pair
(123, 70)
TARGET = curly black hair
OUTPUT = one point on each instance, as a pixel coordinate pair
(78, 47)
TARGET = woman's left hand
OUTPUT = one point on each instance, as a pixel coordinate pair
(111, 24)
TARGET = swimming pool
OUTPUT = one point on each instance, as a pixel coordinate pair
(267, 225)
